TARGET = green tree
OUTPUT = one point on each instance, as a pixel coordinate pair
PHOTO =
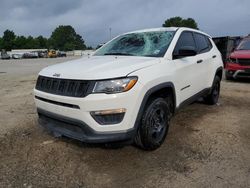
(89, 48)
(43, 42)
(31, 43)
(65, 38)
(79, 43)
(180, 22)
(62, 38)
(8, 40)
(20, 42)
(1, 43)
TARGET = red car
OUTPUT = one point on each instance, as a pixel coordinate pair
(238, 64)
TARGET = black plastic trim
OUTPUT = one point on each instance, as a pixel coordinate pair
(79, 130)
(218, 70)
(58, 103)
(185, 87)
(115, 118)
(194, 98)
(146, 97)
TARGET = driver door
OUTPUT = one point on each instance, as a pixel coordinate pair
(188, 79)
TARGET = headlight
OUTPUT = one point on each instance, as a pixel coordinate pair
(115, 85)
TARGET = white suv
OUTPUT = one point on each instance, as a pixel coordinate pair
(129, 88)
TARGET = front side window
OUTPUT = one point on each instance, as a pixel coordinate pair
(186, 40)
(149, 44)
(244, 45)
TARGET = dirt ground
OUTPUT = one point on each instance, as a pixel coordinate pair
(207, 146)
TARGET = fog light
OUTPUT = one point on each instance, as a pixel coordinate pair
(108, 117)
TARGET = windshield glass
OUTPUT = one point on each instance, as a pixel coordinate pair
(244, 45)
(150, 44)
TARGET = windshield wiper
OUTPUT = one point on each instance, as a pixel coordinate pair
(118, 53)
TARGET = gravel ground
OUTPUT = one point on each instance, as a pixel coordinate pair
(207, 146)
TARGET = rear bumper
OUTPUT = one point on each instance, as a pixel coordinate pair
(72, 128)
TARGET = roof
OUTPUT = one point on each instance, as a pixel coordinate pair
(154, 30)
(167, 29)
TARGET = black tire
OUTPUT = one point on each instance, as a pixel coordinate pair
(213, 97)
(154, 125)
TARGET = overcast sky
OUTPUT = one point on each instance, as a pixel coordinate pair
(93, 18)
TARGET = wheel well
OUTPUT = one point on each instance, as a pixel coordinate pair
(162, 90)
(219, 73)
(167, 93)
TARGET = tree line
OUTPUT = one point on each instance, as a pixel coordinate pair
(63, 38)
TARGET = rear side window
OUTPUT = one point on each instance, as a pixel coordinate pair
(186, 40)
(202, 42)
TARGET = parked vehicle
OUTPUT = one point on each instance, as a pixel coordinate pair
(61, 54)
(27, 55)
(42, 54)
(52, 54)
(17, 56)
(226, 45)
(5, 55)
(130, 88)
(30, 55)
(238, 64)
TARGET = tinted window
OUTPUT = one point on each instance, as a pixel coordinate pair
(186, 40)
(202, 43)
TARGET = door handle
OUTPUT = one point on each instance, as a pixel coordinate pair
(200, 61)
(214, 56)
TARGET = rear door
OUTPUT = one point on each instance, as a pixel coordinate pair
(204, 59)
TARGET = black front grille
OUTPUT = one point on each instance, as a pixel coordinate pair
(64, 87)
(244, 62)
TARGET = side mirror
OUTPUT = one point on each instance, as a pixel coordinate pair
(185, 51)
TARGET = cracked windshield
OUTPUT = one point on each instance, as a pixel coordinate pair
(150, 44)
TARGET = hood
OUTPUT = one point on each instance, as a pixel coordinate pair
(99, 67)
(240, 54)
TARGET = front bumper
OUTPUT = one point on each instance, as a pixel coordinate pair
(53, 108)
(237, 71)
(64, 126)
